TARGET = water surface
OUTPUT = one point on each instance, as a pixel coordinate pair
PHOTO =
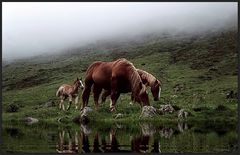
(116, 137)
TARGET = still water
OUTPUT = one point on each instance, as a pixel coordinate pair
(145, 137)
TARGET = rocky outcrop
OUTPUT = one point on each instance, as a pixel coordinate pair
(30, 120)
(148, 112)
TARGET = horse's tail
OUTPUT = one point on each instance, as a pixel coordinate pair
(58, 93)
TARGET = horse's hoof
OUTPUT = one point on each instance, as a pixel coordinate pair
(112, 109)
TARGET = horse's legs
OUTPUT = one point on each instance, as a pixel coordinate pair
(114, 97)
(114, 94)
(132, 99)
(70, 102)
(105, 94)
(76, 102)
(86, 93)
(61, 104)
(96, 93)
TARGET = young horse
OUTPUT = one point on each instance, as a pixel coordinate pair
(118, 76)
(67, 91)
(148, 80)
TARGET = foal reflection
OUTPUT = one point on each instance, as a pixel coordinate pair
(67, 145)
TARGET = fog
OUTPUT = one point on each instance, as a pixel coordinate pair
(31, 29)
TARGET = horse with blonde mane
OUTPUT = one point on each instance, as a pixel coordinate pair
(118, 77)
(67, 91)
(148, 80)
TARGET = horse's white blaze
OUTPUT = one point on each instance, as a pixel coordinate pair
(81, 83)
(159, 93)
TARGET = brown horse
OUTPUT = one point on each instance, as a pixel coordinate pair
(67, 91)
(148, 80)
(118, 76)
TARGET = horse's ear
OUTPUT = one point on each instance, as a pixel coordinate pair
(80, 78)
(77, 78)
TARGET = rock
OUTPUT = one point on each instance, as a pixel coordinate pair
(63, 119)
(232, 95)
(119, 115)
(182, 113)
(86, 111)
(178, 87)
(49, 104)
(148, 111)
(30, 120)
(166, 109)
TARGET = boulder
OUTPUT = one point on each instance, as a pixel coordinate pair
(167, 108)
(30, 120)
(148, 112)
(182, 114)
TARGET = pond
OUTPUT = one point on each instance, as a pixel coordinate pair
(144, 137)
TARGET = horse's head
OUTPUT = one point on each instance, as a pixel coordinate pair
(79, 83)
(156, 90)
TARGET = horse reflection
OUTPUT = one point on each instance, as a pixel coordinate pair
(86, 140)
(113, 145)
(68, 145)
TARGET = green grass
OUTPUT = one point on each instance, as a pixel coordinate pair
(32, 83)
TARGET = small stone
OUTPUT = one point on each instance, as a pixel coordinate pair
(49, 104)
(30, 120)
(119, 115)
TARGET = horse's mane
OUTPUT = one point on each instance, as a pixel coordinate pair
(145, 75)
(133, 77)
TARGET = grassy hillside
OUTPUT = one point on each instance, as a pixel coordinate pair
(203, 67)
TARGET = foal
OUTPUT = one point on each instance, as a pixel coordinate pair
(67, 91)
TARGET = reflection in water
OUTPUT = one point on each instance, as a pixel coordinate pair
(146, 141)
(143, 137)
(68, 144)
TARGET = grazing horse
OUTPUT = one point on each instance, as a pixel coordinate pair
(148, 80)
(118, 76)
(67, 91)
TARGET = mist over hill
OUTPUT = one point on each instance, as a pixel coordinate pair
(35, 29)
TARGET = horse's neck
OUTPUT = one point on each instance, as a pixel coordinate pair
(75, 88)
(150, 79)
